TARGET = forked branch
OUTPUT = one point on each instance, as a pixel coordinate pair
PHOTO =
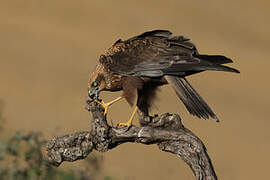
(167, 131)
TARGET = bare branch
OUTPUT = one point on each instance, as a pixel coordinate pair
(167, 131)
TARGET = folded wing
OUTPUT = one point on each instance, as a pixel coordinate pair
(158, 54)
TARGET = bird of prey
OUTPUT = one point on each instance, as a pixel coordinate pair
(139, 65)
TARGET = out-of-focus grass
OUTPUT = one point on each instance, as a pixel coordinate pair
(22, 158)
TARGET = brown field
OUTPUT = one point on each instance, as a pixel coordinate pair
(48, 48)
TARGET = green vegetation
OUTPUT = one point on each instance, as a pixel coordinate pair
(22, 158)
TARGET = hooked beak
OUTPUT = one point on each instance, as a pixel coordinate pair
(93, 93)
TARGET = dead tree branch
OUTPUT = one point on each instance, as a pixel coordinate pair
(167, 131)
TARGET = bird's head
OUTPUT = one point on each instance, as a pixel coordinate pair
(96, 82)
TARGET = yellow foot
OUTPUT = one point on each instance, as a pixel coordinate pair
(104, 105)
(127, 124)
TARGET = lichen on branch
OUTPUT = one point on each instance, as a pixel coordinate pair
(167, 131)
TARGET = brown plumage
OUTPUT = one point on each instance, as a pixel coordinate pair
(139, 65)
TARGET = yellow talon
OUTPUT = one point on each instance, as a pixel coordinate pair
(129, 123)
(106, 105)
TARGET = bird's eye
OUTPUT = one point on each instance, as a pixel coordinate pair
(95, 84)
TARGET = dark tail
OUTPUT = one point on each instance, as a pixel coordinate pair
(206, 63)
(191, 99)
(217, 61)
(215, 67)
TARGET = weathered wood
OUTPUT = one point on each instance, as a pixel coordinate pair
(167, 131)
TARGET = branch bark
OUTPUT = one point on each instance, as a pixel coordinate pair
(167, 131)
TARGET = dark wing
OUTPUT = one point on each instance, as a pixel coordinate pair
(157, 53)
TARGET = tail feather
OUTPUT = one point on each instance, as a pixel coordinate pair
(181, 69)
(215, 59)
(216, 68)
(191, 99)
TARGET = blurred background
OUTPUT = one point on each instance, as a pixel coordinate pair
(48, 49)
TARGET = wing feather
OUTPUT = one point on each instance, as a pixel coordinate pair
(158, 54)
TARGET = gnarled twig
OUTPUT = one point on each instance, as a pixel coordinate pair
(167, 131)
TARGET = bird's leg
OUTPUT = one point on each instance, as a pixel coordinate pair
(106, 105)
(129, 123)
